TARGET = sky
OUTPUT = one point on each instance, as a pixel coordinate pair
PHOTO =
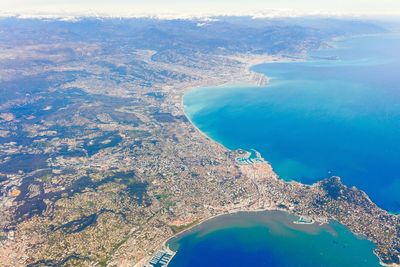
(200, 7)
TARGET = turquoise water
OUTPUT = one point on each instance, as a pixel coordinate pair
(318, 118)
(270, 239)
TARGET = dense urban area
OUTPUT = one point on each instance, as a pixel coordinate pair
(100, 165)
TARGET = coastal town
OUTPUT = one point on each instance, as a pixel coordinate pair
(99, 165)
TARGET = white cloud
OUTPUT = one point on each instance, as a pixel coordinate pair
(190, 8)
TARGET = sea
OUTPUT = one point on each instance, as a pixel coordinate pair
(337, 113)
(269, 239)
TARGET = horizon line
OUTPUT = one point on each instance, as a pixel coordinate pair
(274, 14)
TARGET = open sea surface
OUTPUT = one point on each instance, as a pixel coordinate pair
(269, 239)
(337, 113)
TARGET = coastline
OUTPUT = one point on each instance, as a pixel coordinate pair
(246, 79)
(165, 245)
(128, 170)
(248, 70)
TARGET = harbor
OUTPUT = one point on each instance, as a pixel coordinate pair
(250, 158)
(161, 258)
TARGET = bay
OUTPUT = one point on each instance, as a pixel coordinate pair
(337, 113)
(269, 239)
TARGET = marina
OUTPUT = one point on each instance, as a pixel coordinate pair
(161, 258)
(251, 157)
(265, 239)
(300, 122)
(303, 220)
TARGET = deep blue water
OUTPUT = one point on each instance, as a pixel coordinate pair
(270, 239)
(318, 118)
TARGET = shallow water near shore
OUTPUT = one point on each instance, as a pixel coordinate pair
(269, 239)
(337, 113)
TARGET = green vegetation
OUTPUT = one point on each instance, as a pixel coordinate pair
(180, 228)
(104, 261)
(138, 134)
(164, 198)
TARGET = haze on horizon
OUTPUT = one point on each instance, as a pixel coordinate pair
(208, 7)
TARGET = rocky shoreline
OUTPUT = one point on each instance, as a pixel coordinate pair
(325, 200)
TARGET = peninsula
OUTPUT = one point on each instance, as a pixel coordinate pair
(100, 165)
